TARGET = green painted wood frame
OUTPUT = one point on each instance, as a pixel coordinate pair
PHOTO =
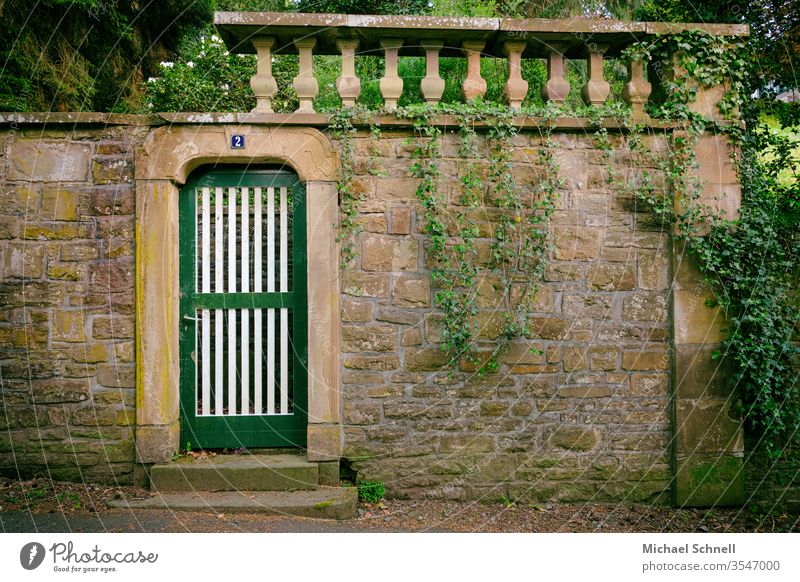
(250, 431)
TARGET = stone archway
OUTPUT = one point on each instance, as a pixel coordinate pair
(162, 165)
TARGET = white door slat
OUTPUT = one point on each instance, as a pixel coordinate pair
(219, 287)
(258, 358)
(284, 286)
(205, 314)
(270, 312)
(232, 383)
(245, 313)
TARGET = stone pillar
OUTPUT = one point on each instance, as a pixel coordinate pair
(157, 350)
(391, 84)
(305, 84)
(474, 85)
(263, 83)
(557, 87)
(324, 417)
(516, 87)
(432, 86)
(596, 89)
(709, 440)
(348, 84)
(637, 89)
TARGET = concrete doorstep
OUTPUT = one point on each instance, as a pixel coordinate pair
(323, 503)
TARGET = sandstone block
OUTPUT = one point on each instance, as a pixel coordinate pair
(111, 200)
(425, 359)
(575, 438)
(603, 358)
(649, 385)
(16, 199)
(60, 204)
(577, 243)
(44, 161)
(68, 326)
(56, 230)
(111, 170)
(411, 291)
(57, 391)
(613, 276)
(94, 416)
(645, 360)
(575, 358)
(112, 327)
(362, 413)
(22, 261)
(82, 251)
(653, 271)
(116, 376)
(9, 227)
(389, 253)
(585, 392)
(356, 311)
(400, 220)
(645, 306)
(377, 363)
(90, 353)
(414, 411)
(365, 284)
(369, 338)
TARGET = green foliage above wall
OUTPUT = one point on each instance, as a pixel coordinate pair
(88, 55)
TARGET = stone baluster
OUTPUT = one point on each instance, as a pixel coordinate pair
(637, 89)
(305, 84)
(596, 90)
(432, 86)
(516, 87)
(263, 83)
(474, 85)
(348, 84)
(557, 87)
(391, 83)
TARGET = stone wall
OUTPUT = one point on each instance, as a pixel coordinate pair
(586, 419)
(66, 301)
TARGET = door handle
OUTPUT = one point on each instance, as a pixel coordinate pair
(188, 317)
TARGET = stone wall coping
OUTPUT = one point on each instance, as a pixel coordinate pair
(238, 28)
(293, 119)
(10, 118)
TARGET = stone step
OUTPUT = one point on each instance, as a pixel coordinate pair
(259, 472)
(322, 503)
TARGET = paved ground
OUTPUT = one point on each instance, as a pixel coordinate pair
(150, 521)
(40, 505)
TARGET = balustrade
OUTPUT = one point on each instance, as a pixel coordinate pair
(475, 39)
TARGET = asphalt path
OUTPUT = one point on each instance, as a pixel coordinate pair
(161, 521)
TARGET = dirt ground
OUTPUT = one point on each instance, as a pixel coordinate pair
(52, 506)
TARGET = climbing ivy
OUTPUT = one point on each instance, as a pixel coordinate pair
(751, 262)
(520, 238)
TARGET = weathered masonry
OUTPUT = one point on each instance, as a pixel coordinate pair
(160, 285)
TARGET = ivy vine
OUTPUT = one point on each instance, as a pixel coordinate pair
(751, 262)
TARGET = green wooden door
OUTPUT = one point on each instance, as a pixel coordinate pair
(243, 345)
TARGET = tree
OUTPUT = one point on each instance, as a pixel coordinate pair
(74, 55)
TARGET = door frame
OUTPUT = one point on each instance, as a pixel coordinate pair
(163, 165)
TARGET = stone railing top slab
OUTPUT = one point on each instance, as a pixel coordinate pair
(238, 28)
